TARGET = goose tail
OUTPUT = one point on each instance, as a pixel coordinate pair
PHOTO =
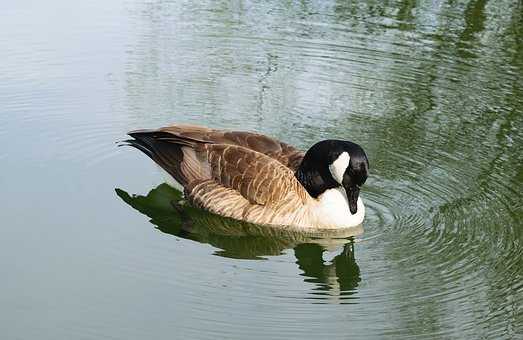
(174, 154)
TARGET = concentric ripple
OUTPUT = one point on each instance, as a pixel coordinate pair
(433, 91)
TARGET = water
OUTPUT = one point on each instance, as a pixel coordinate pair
(432, 90)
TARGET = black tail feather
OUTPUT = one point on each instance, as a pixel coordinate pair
(138, 145)
(166, 153)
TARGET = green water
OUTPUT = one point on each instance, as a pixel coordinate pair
(432, 90)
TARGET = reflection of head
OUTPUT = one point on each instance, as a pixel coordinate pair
(341, 274)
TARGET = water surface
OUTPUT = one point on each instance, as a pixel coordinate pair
(432, 90)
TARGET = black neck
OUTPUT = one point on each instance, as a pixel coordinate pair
(315, 179)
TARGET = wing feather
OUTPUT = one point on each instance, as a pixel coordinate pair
(282, 152)
(256, 168)
(257, 177)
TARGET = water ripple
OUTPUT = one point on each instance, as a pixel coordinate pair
(432, 91)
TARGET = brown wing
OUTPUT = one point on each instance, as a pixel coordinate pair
(191, 156)
(256, 176)
(282, 152)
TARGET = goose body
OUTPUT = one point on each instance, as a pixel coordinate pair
(257, 179)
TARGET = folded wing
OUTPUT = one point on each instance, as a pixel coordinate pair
(242, 165)
(282, 152)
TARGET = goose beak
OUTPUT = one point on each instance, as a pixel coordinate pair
(352, 196)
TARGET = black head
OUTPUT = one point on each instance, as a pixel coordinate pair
(331, 164)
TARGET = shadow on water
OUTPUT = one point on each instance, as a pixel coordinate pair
(235, 239)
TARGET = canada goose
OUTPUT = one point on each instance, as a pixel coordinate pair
(254, 178)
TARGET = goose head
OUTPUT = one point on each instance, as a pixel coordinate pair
(333, 164)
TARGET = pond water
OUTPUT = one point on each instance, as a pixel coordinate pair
(432, 90)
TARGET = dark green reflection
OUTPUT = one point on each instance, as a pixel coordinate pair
(235, 239)
(343, 267)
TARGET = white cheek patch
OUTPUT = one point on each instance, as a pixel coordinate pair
(338, 167)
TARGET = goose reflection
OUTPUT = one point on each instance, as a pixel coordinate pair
(339, 277)
(234, 239)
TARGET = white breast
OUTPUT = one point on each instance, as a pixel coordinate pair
(332, 210)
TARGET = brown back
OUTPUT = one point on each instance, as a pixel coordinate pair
(282, 152)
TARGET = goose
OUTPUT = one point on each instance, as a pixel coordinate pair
(254, 178)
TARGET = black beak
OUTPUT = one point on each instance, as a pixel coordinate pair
(352, 195)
